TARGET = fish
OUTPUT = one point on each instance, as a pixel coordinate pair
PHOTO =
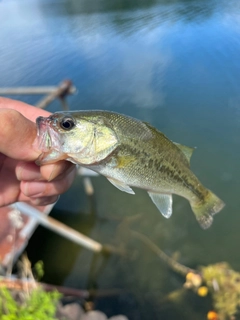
(130, 153)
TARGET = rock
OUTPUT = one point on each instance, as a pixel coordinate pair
(71, 311)
(120, 317)
(93, 315)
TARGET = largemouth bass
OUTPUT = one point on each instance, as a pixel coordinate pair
(129, 153)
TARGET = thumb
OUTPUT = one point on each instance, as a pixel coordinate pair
(17, 136)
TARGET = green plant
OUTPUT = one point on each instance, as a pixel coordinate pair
(38, 270)
(37, 305)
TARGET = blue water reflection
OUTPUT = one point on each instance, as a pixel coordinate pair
(172, 63)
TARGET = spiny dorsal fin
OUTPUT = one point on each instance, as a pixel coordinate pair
(187, 151)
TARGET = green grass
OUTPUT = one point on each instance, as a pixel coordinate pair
(36, 305)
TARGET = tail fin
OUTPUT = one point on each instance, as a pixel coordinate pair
(205, 209)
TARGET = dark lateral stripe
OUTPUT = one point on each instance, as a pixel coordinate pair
(168, 172)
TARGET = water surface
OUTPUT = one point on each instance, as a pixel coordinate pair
(174, 64)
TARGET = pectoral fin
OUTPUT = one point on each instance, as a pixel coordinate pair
(121, 186)
(163, 202)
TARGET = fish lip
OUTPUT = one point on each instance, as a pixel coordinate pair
(45, 134)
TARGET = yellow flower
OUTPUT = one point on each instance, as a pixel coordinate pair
(202, 291)
(212, 315)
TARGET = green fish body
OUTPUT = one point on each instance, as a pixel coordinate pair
(129, 153)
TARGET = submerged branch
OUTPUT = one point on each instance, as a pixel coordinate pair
(23, 284)
(173, 264)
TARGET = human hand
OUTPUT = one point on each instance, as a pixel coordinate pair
(20, 178)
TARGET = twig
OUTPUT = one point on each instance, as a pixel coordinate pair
(60, 92)
(173, 264)
(82, 293)
(21, 284)
(64, 103)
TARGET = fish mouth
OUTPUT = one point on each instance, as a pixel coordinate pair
(46, 137)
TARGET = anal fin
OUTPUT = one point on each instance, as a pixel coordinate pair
(163, 202)
(121, 186)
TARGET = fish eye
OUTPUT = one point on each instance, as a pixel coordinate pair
(67, 123)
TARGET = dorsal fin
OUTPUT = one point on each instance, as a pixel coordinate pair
(187, 151)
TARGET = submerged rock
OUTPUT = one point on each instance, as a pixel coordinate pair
(71, 311)
(98, 315)
(120, 317)
(94, 315)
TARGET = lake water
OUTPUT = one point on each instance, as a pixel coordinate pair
(175, 64)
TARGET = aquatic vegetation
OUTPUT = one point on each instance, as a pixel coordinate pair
(218, 280)
(224, 286)
(193, 280)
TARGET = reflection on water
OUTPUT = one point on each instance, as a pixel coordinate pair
(172, 63)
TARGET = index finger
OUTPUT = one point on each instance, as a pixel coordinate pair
(29, 111)
(17, 136)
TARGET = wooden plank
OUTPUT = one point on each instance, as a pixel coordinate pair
(33, 90)
(60, 92)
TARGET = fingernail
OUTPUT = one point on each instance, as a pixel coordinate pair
(52, 174)
(44, 200)
(19, 173)
(33, 189)
(58, 169)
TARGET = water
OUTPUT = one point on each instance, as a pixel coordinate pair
(174, 64)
